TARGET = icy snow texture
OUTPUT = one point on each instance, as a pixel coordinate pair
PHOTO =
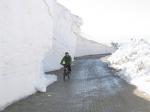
(89, 47)
(25, 35)
(66, 27)
(133, 59)
(34, 34)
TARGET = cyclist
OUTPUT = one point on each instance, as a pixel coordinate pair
(66, 61)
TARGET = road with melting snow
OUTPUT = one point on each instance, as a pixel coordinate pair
(93, 88)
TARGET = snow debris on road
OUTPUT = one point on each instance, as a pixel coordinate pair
(45, 81)
(133, 61)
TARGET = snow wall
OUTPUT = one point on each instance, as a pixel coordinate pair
(25, 36)
(33, 38)
(66, 27)
(89, 47)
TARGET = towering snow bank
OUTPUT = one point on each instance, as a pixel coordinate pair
(26, 31)
(89, 47)
(66, 27)
(67, 38)
(34, 34)
(133, 59)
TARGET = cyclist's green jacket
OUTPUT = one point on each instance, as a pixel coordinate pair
(67, 60)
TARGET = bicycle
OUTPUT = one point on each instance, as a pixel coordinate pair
(66, 72)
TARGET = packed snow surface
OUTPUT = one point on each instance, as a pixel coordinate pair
(133, 61)
(89, 47)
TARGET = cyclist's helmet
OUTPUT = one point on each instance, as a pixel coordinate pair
(66, 53)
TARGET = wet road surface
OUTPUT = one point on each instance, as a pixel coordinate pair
(93, 88)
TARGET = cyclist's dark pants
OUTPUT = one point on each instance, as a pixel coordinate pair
(69, 67)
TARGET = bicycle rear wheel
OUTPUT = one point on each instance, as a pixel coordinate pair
(68, 76)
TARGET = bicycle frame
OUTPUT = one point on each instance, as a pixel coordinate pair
(66, 72)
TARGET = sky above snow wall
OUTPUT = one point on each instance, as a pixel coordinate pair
(112, 20)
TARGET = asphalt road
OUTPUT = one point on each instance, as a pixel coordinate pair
(93, 88)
